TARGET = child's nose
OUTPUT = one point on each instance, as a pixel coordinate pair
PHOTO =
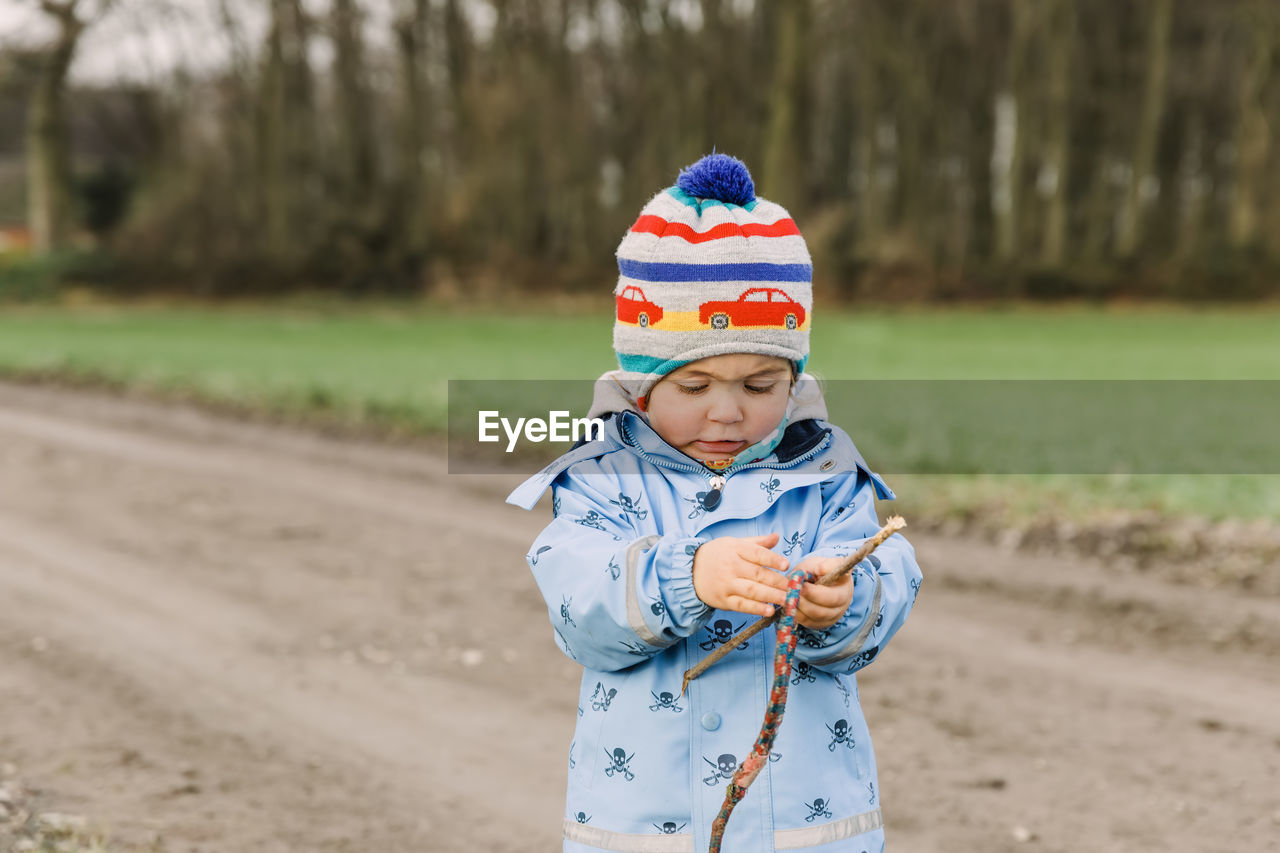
(725, 409)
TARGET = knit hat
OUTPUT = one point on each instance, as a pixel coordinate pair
(708, 269)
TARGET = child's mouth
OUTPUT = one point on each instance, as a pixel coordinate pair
(720, 446)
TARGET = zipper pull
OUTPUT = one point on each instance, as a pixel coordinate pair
(711, 498)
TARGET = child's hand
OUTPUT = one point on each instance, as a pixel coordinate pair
(739, 574)
(821, 607)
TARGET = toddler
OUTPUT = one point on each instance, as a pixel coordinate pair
(717, 473)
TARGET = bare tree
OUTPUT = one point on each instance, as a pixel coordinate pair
(785, 139)
(1142, 180)
(284, 134)
(1061, 35)
(48, 147)
(1007, 150)
(1252, 132)
(411, 29)
(355, 125)
(941, 148)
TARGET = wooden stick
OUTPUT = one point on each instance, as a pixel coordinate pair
(892, 526)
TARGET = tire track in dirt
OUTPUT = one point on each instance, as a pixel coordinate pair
(202, 653)
(345, 643)
(352, 490)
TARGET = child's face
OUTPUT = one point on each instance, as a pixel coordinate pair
(714, 408)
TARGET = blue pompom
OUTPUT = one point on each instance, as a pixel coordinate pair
(720, 177)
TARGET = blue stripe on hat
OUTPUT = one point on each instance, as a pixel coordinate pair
(756, 271)
(648, 363)
(699, 203)
(662, 366)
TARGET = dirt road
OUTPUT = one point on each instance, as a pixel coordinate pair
(218, 636)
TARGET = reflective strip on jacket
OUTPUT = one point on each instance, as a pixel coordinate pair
(648, 767)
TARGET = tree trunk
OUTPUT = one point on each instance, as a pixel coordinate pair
(355, 125)
(868, 195)
(1191, 185)
(273, 183)
(1006, 154)
(48, 148)
(785, 141)
(411, 39)
(1129, 225)
(1253, 133)
(285, 135)
(1056, 164)
(457, 46)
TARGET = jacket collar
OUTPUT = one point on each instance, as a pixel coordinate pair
(627, 431)
(633, 431)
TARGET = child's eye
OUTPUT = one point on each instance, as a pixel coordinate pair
(692, 389)
(759, 389)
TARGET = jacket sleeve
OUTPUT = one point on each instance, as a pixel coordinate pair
(885, 583)
(615, 597)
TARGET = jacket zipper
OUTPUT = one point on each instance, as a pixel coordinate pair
(782, 466)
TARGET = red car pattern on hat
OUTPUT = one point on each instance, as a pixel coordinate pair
(635, 307)
(759, 306)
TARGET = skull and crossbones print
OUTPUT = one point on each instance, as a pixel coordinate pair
(619, 761)
(602, 697)
(669, 827)
(792, 542)
(664, 701)
(595, 521)
(634, 649)
(812, 638)
(721, 769)
(770, 488)
(630, 506)
(818, 808)
(840, 734)
(697, 509)
(803, 672)
(863, 658)
(844, 691)
(592, 519)
(721, 631)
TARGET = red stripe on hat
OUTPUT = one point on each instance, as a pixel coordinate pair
(650, 224)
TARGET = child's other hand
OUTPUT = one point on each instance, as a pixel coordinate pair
(821, 607)
(741, 574)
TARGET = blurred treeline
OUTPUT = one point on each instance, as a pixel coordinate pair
(928, 149)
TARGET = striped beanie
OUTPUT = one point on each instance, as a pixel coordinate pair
(710, 269)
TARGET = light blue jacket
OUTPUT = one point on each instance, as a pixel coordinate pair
(648, 767)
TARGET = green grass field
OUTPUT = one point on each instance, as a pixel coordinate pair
(387, 366)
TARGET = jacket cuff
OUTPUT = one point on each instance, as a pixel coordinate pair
(676, 578)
